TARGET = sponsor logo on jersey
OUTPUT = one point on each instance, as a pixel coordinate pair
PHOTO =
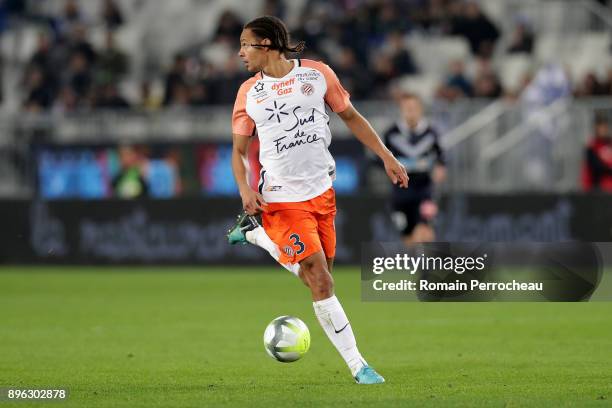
(283, 84)
(260, 94)
(307, 89)
(299, 137)
(308, 76)
(273, 188)
(284, 87)
(288, 250)
(277, 111)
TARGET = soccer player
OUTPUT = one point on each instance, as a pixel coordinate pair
(284, 102)
(416, 145)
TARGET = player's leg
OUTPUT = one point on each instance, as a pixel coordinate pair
(409, 219)
(332, 318)
(259, 237)
(330, 312)
(404, 216)
(248, 229)
(315, 274)
(423, 232)
(428, 210)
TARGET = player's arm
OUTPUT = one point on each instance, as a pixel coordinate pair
(364, 132)
(252, 201)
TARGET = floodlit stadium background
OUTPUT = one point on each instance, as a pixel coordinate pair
(90, 286)
(513, 86)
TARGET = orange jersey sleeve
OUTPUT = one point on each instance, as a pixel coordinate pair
(336, 96)
(242, 124)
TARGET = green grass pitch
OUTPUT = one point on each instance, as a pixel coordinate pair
(192, 337)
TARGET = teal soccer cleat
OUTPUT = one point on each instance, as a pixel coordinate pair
(244, 223)
(367, 375)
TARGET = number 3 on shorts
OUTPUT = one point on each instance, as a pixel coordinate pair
(297, 242)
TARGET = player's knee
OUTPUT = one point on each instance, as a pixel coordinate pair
(317, 278)
(323, 284)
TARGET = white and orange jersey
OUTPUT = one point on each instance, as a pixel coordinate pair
(291, 121)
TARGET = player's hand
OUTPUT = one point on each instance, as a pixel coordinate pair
(252, 202)
(396, 172)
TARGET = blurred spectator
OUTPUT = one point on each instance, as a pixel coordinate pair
(522, 38)
(477, 28)
(431, 15)
(457, 85)
(524, 81)
(354, 79)
(78, 75)
(549, 85)
(200, 95)
(597, 169)
(46, 58)
(80, 44)
(39, 90)
(362, 40)
(486, 81)
(177, 76)
(608, 83)
(227, 82)
(388, 20)
(355, 34)
(129, 183)
(111, 14)
(67, 101)
(487, 86)
(228, 28)
(112, 62)
(590, 86)
(179, 96)
(42, 56)
(110, 98)
(382, 75)
(275, 8)
(148, 98)
(402, 61)
(71, 16)
(72, 12)
(309, 29)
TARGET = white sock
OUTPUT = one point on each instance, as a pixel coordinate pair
(259, 237)
(332, 318)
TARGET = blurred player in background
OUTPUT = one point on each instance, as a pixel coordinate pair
(416, 144)
(597, 168)
(285, 103)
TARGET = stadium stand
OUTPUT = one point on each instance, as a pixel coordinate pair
(139, 70)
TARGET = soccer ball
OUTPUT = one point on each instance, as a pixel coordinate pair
(286, 339)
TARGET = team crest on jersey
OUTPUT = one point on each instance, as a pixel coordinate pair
(307, 89)
(288, 250)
